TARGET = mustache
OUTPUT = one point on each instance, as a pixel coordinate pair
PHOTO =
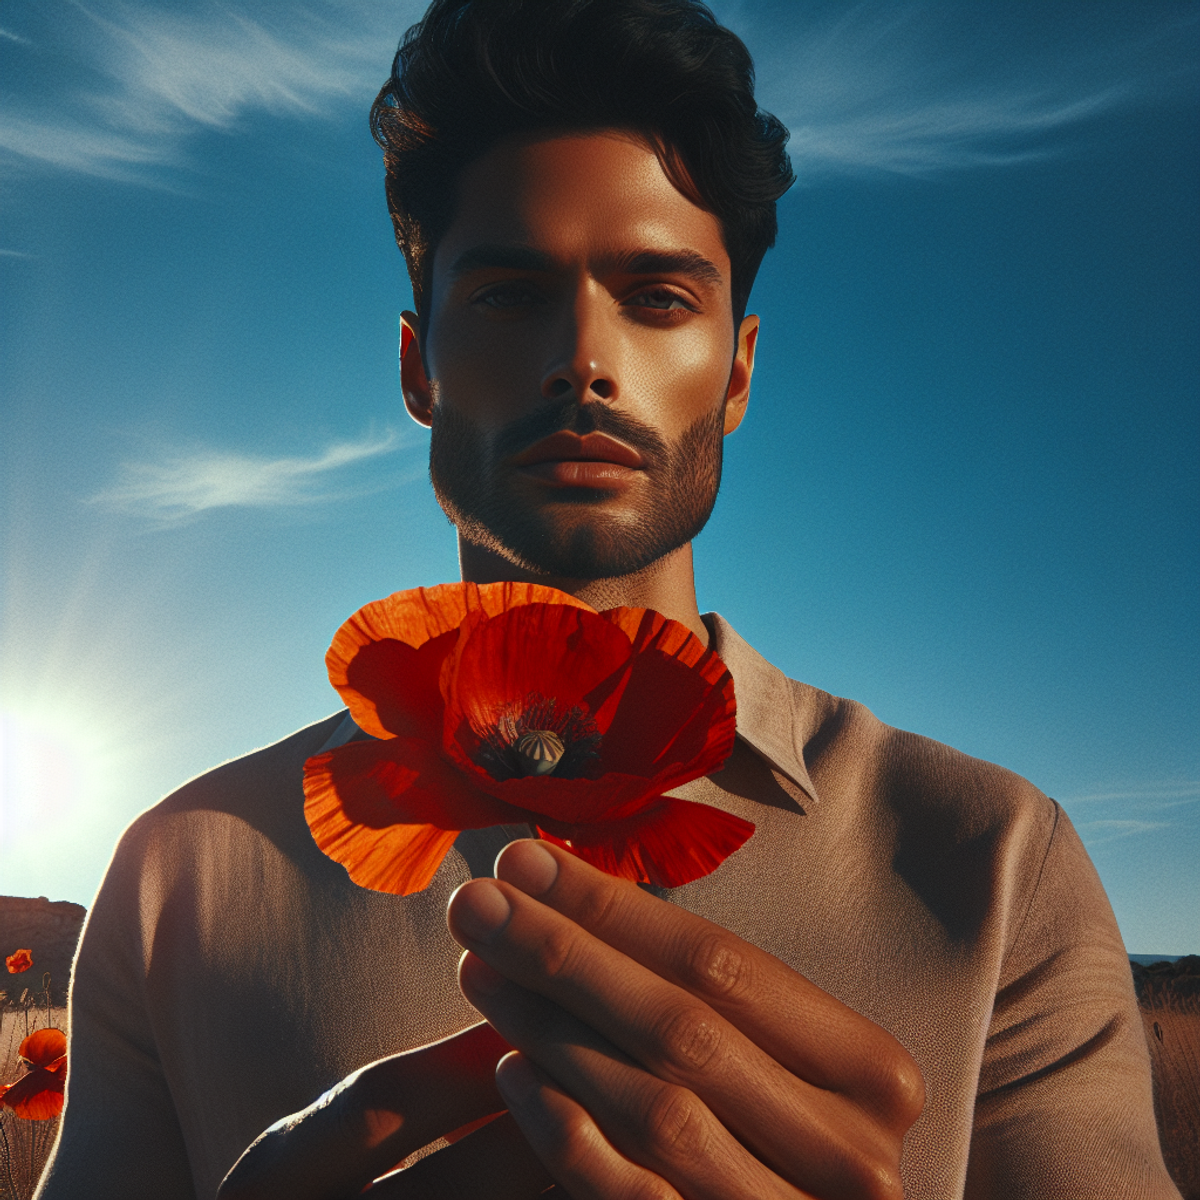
(593, 417)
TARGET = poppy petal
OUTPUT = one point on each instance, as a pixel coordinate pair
(669, 843)
(43, 1046)
(413, 618)
(20, 961)
(392, 689)
(704, 717)
(390, 811)
(538, 651)
(669, 716)
(38, 1094)
(650, 630)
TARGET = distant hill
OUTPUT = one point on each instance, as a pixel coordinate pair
(49, 929)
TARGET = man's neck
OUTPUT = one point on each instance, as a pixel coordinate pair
(667, 585)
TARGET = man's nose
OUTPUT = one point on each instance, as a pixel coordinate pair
(582, 362)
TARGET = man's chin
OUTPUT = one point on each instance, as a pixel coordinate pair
(591, 547)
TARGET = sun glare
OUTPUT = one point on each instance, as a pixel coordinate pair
(56, 770)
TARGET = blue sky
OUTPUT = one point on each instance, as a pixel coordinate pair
(966, 493)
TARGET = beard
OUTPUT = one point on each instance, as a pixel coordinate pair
(684, 478)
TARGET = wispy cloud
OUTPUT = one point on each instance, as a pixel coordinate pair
(13, 37)
(1097, 833)
(185, 485)
(936, 87)
(13, 253)
(917, 88)
(131, 82)
(1130, 810)
(1165, 793)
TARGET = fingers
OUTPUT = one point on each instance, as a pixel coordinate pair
(715, 1075)
(372, 1120)
(653, 1131)
(495, 1161)
(809, 1032)
(568, 1141)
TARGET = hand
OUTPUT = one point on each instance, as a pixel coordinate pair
(660, 1056)
(378, 1116)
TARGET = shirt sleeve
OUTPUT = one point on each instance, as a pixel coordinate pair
(1065, 1104)
(120, 1136)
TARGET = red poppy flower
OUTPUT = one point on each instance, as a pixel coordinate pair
(22, 960)
(512, 703)
(38, 1094)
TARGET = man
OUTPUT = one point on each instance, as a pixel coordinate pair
(908, 982)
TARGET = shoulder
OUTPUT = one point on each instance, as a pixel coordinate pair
(220, 817)
(921, 789)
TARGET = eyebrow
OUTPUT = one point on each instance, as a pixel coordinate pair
(510, 256)
(670, 262)
(516, 257)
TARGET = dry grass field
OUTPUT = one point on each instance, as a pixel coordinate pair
(24, 1145)
(1169, 997)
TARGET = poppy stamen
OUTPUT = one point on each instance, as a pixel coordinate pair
(539, 751)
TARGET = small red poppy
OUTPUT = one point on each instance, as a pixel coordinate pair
(513, 703)
(38, 1094)
(22, 960)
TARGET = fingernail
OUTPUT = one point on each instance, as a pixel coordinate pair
(480, 909)
(477, 976)
(515, 1080)
(529, 866)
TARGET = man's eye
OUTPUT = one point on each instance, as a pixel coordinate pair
(508, 295)
(662, 299)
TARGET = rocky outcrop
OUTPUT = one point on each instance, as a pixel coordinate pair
(48, 928)
(1169, 998)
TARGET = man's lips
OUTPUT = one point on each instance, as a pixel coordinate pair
(573, 460)
(566, 446)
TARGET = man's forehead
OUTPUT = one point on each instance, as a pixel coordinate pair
(534, 202)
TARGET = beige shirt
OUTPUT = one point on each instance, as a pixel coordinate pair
(230, 973)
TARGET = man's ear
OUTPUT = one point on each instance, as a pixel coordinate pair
(418, 397)
(738, 394)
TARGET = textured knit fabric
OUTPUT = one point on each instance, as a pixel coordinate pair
(230, 973)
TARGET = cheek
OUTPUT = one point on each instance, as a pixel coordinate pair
(682, 377)
(485, 370)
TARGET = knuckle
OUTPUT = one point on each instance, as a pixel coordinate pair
(675, 1125)
(597, 905)
(556, 952)
(690, 1039)
(907, 1092)
(718, 967)
(575, 1145)
(897, 1086)
(650, 1187)
(880, 1181)
(580, 1151)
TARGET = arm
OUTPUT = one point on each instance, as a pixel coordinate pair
(119, 1137)
(1065, 1104)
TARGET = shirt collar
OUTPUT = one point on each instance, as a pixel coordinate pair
(768, 718)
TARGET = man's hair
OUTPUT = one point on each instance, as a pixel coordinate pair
(474, 71)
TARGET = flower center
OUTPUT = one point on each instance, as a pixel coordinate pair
(535, 737)
(539, 751)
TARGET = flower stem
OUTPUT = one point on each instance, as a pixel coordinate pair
(12, 1186)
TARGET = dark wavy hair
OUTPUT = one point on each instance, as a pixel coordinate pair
(474, 71)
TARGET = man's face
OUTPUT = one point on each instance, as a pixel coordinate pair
(578, 358)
